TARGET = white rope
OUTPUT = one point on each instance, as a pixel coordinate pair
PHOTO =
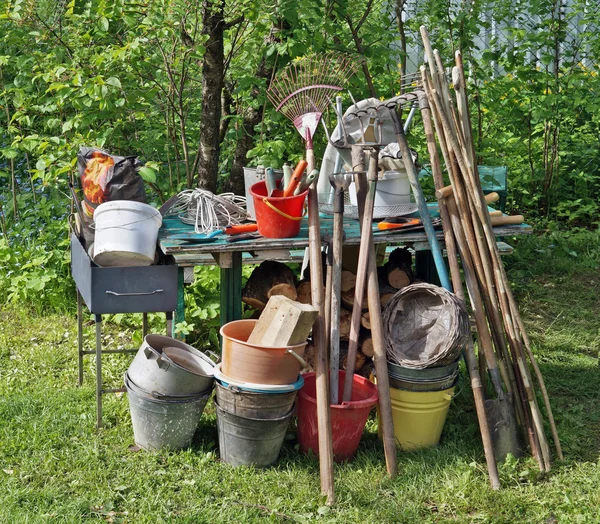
(208, 212)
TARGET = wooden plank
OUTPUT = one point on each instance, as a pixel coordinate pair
(283, 323)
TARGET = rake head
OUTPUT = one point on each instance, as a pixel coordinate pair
(304, 88)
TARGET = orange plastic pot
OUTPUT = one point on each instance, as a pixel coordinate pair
(257, 364)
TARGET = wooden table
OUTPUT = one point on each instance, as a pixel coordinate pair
(231, 256)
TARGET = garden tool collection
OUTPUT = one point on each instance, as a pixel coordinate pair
(504, 344)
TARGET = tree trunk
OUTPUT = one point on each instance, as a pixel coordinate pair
(213, 25)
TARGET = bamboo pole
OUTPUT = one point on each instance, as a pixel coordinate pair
(469, 352)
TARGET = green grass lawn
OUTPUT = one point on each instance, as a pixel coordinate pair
(55, 466)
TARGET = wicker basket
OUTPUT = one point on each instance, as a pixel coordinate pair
(424, 326)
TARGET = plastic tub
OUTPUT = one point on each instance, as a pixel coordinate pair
(348, 419)
(277, 217)
(257, 364)
(393, 189)
(125, 233)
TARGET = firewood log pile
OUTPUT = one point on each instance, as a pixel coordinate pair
(275, 278)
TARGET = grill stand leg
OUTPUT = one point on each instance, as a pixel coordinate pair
(169, 315)
(98, 371)
(144, 324)
(79, 339)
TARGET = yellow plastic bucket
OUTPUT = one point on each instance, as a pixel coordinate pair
(419, 416)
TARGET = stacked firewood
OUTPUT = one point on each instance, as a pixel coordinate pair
(274, 278)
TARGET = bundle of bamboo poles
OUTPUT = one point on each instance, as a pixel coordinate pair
(505, 354)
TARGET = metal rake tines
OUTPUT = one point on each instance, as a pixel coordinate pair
(306, 84)
(389, 104)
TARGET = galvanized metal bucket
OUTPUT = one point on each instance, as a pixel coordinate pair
(402, 373)
(428, 379)
(252, 404)
(159, 367)
(250, 441)
(164, 424)
(157, 396)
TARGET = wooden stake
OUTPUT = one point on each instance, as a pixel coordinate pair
(321, 367)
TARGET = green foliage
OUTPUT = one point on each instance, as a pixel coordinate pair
(127, 77)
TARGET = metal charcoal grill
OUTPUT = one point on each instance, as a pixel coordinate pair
(109, 290)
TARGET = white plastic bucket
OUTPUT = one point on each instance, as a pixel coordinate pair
(125, 233)
(253, 175)
(393, 189)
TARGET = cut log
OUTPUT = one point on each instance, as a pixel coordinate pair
(365, 320)
(303, 291)
(366, 345)
(398, 268)
(283, 323)
(348, 280)
(309, 357)
(269, 279)
(345, 319)
(397, 278)
(385, 298)
(367, 369)
(360, 360)
(348, 300)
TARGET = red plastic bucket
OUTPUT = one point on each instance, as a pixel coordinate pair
(277, 217)
(348, 419)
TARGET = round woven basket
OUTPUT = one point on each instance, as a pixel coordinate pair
(424, 326)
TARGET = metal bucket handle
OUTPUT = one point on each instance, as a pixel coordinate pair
(297, 357)
(160, 396)
(215, 357)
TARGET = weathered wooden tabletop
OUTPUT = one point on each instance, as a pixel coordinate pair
(190, 254)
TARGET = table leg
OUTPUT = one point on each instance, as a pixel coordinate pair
(98, 371)
(180, 311)
(231, 290)
(80, 338)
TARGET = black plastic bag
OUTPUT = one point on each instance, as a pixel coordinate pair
(105, 177)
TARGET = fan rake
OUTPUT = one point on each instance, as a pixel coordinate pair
(304, 89)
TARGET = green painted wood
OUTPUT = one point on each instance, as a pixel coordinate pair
(180, 311)
(231, 291)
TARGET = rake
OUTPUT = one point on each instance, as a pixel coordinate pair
(302, 93)
(305, 88)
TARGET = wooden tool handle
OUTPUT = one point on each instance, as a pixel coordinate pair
(296, 178)
(447, 191)
(241, 228)
(502, 221)
(444, 192)
(496, 213)
(490, 198)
